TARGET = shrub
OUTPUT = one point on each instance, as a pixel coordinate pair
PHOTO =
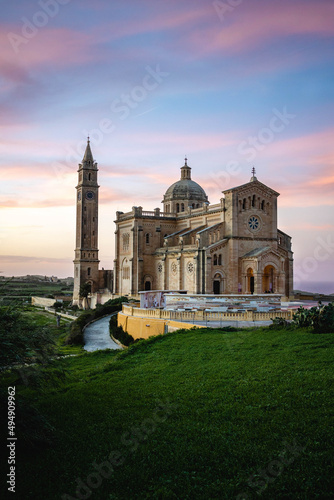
(319, 318)
(302, 318)
(323, 318)
(57, 305)
(119, 333)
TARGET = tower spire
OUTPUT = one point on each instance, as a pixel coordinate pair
(88, 157)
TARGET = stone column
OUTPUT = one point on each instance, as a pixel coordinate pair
(179, 271)
(258, 283)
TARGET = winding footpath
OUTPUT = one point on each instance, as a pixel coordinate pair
(97, 336)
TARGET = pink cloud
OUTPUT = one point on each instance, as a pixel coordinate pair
(60, 47)
(247, 27)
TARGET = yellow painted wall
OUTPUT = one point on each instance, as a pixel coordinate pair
(143, 328)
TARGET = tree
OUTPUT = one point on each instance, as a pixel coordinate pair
(58, 305)
(85, 290)
(21, 340)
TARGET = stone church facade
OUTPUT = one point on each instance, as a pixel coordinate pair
(230, 247)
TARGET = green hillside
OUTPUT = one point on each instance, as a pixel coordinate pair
(199, 414)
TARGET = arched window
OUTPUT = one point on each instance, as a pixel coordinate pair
(89, 177)
(220, 259)
(147, 238)
(197, 206)
(126, 238)
(193, 205)
(253, 200)
(177, 207)
(244, 204)
(182, 207)
(88, 271)
(215, 260)
(262, 205)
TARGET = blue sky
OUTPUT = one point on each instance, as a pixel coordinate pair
(151, 82)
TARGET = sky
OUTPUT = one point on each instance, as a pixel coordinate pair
(230, 84)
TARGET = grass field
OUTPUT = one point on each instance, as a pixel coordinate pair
(14, 290)
(201, 414)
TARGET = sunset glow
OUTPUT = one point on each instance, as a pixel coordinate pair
(153, 81)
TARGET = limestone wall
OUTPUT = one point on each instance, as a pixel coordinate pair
(42, 302)
(156, 314)
(143, 328)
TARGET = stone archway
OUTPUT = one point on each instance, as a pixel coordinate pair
(148, 282)
(147, 285)
(218, 284)
(269, 279)
(250, 281)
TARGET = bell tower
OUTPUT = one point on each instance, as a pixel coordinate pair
(86, 262)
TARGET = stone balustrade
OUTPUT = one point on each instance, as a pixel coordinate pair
(205, 315)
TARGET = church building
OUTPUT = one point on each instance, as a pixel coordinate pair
(230, 247)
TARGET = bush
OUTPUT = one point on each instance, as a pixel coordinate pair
(323, 318)
(320, 318)
(75, 337)
(119, 333)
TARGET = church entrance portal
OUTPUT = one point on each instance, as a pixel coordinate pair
(216, 287)
(268, 279)
(250, 281)
(147, 285)
(218, 284)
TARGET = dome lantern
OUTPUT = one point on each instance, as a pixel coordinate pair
(184, 193)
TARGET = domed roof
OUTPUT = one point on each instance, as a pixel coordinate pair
(185, 188)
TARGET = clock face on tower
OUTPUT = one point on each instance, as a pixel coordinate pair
(89, 195)
(254, 223)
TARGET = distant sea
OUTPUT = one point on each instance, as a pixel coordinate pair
(325, 287)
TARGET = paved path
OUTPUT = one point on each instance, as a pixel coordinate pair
(97, 337)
